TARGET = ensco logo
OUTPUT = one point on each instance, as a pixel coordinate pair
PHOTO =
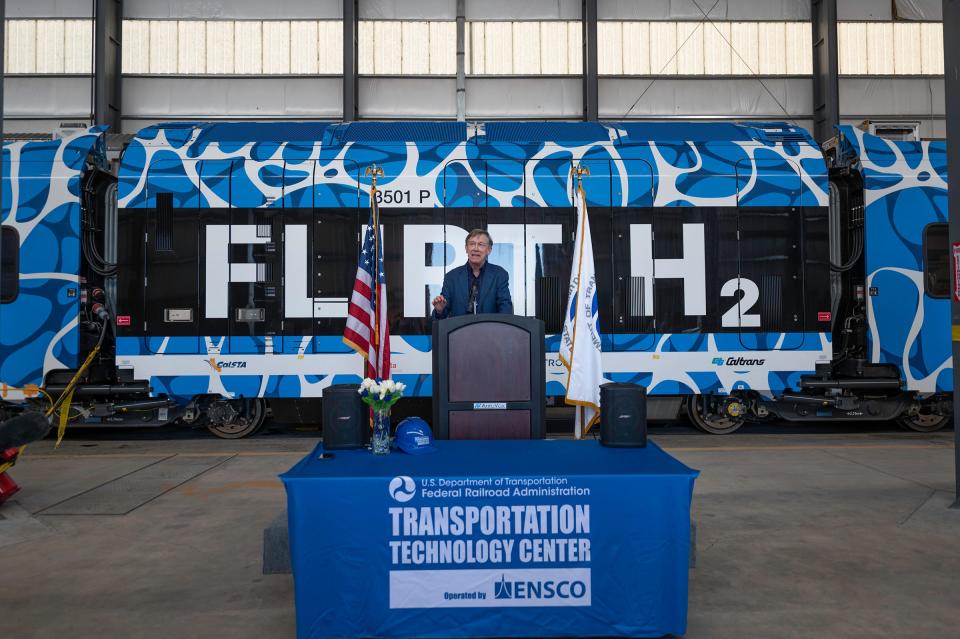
(541, 589)
(402, 488)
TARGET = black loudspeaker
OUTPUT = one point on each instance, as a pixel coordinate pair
(346, 422)
(623, 415)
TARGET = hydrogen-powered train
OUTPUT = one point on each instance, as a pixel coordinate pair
(743, 272)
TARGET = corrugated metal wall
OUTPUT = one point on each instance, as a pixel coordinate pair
(302, 47)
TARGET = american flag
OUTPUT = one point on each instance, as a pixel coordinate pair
(367, 331)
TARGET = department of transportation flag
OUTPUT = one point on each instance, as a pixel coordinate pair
(580, 341)
(367, 331)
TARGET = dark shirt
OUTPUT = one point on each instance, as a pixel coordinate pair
(473, 285)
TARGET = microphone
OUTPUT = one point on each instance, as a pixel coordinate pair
(26, 427)
(472, 304)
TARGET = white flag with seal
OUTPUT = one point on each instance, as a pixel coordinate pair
(580, 341)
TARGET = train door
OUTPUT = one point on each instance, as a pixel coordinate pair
(411, 225)
(299, 259)
(254, 250)
(255, 258)
(600, 186)
(679, 263)
(214, 237)
(171, 284)
(332, 246)
(471, 201)
(543, 256)
(632, 322)
(9, 280)
(767, 300)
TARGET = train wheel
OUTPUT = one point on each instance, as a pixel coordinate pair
(242, 419)
(923, 422)
(711, 417)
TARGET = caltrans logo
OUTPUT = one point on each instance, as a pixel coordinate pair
(738, 361)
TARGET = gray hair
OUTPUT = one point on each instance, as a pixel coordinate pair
(475, 232)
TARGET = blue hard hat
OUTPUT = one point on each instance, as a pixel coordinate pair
(414, 436)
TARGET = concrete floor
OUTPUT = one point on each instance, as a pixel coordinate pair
(804, 534)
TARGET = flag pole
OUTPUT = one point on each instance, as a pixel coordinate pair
(579, 171)
(581, 337)
(374, 171)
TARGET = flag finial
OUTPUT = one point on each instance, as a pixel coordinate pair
(374, 172)
(579, 170)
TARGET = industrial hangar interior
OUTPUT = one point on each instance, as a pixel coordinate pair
(468, 319)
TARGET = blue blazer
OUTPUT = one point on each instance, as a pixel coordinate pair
(494, 295)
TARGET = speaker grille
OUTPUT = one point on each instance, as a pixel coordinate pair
(344, 418)
(623, 415)
(549, 295)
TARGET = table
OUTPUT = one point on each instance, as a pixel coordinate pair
(491, 539)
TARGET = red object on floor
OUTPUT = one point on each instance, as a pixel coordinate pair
(7, 487)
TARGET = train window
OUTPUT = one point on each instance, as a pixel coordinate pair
(936, 260)
(10, 267)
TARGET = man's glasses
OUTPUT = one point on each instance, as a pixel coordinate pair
(476, 244)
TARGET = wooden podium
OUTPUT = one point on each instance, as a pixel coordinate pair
(488, 377)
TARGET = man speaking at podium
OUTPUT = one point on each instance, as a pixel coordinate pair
(477, 286)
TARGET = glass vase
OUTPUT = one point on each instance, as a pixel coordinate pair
(380, 439)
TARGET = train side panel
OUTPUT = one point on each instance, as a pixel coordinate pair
(906, 257)
(42, 258)
(238, 251)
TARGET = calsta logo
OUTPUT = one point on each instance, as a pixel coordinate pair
(541, 589)
(402, 488)
(219, 366)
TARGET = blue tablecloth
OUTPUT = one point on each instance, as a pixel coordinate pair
(491, 539)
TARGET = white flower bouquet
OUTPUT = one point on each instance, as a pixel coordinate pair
(381, 394)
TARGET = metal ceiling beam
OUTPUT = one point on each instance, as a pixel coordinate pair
(826, 85)
(461, 61)
(951, 68)
(350, 28)
(588, 16)
(108, 26)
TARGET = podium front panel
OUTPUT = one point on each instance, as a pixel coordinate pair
(488, 377)
(489, 424)
(493, 364)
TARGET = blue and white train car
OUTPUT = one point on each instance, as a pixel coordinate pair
(46, 314)
(893, 195)
(730, 280)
